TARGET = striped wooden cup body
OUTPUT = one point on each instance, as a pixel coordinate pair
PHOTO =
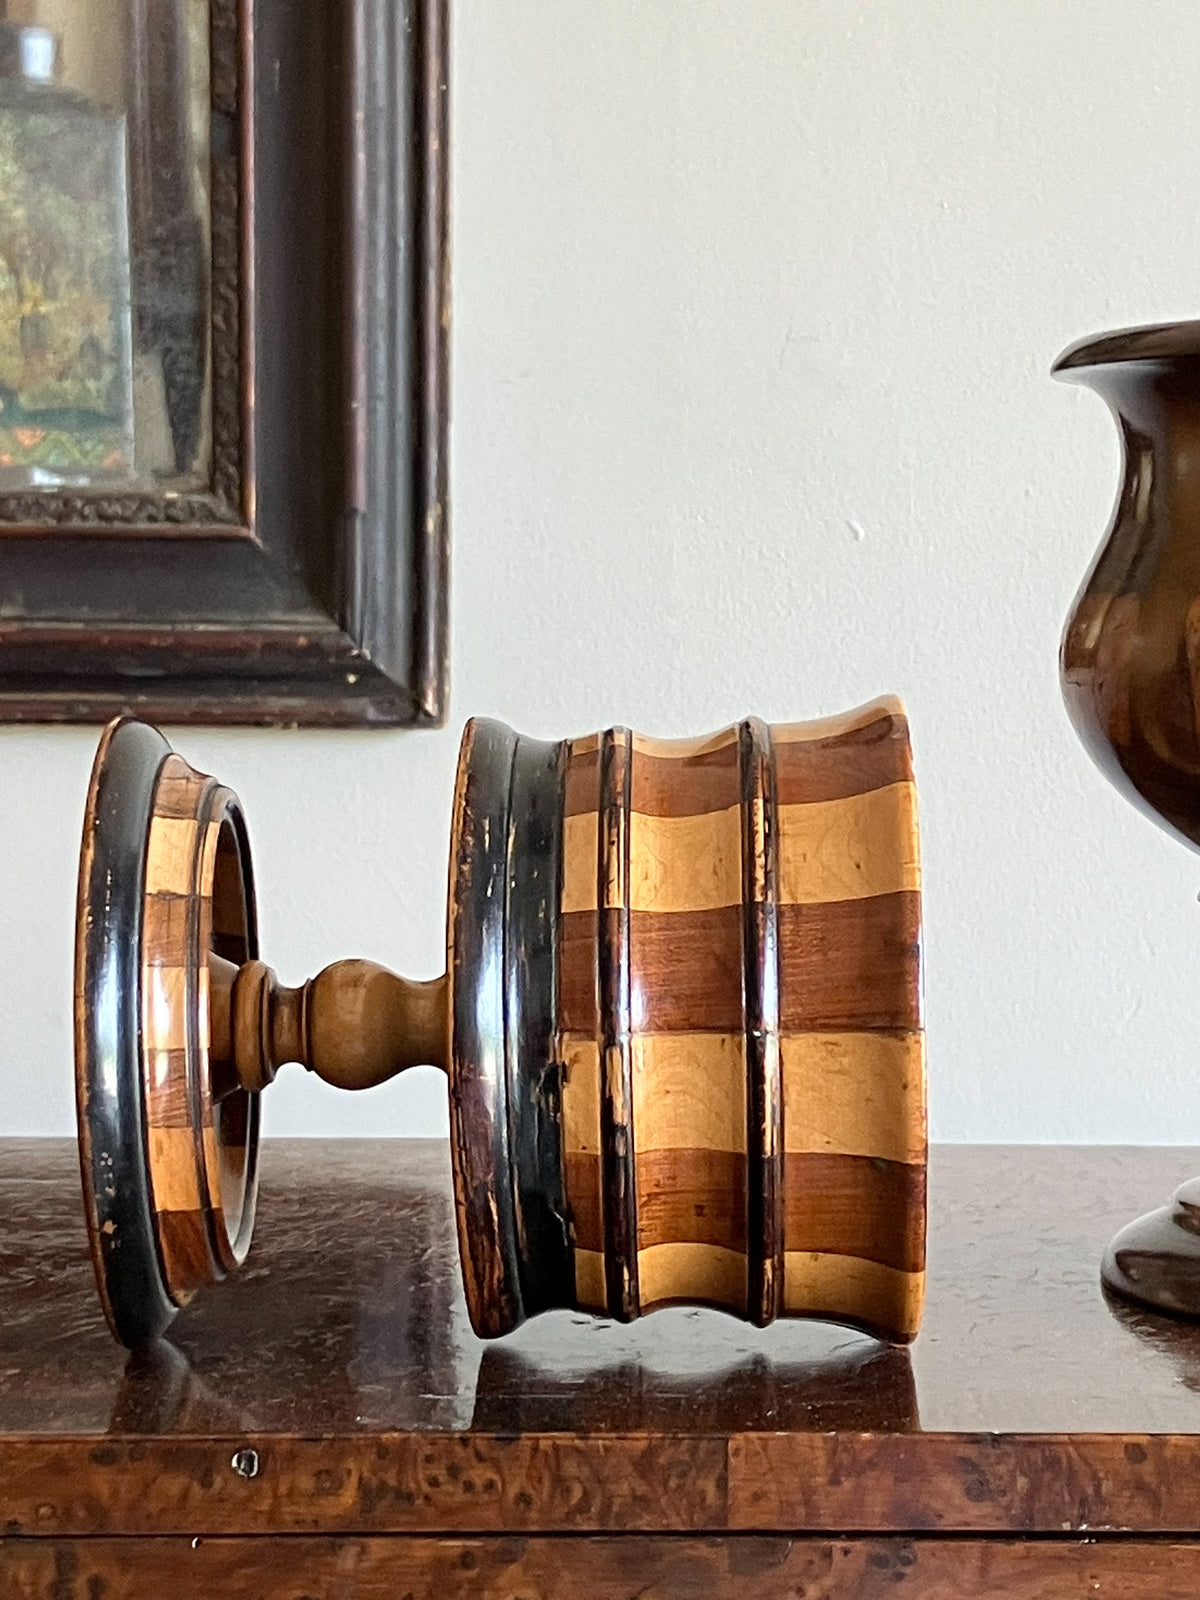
(686, 1051)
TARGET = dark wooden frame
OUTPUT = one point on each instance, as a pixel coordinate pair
(309, 585)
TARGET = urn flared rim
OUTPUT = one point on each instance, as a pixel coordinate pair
(1162, 341)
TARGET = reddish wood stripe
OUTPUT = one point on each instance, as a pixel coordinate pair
(691, 1196)
(172, 1098)
(833, 1204)
(866, 758)
(168, 914)
(184, 1243)
(856, 1206)
(581, 782)
(851, 964)
(176, 794)
(808, 770)
(844, 965)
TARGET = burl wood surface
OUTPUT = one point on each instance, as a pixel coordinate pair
(636, 1568)
(744, 1095)
(341, 1351)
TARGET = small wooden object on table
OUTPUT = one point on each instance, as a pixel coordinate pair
(680, 1020)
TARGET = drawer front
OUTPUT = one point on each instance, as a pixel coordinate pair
(671, 1567)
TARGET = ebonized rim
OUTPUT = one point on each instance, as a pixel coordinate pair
(138, 1299)
(108, 1068)
(760, 989)
(505, 1080)
(618, 1171)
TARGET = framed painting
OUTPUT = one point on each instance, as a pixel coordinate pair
(223, 360)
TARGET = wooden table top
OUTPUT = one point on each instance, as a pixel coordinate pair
(339, 1370)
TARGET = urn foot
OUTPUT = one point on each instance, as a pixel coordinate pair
(1156, 1260)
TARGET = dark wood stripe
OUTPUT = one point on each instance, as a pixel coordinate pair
(684, 1196)
(852, 763)
(663, 786)
(167, 928)
(851, 964)
(807, 770)
(177, 790)
(616, 1053)
(760, 989)
(581, 782)
(583, 1197)
(172, 1103)
(856, 1206)
(836, 1204)
(578, 1010)
(184, 1244)
(686, 786)
(693, 1197)
(844, 965)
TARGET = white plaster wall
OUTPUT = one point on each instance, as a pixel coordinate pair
(754, 306)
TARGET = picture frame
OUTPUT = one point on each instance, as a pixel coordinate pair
(306, 581)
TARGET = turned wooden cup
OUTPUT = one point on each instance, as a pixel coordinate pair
(681, 1022)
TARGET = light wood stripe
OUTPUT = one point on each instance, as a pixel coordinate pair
(846, 849)
(859, 1093)
(707, 1274)
(173, 840)
(173, 1161)
(590, 1290)
(164, 1008)
(855, 1094)
(686, 863)
(689, 1090)
(848, 1288)
(580, 863)
(849, 849)
(580, 1094)
(171, 855)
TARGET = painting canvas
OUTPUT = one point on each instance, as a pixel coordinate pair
(66, 393)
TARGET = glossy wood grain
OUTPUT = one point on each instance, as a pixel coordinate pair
(635, 1568)
(342, 1354)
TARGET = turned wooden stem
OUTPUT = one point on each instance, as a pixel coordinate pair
(355, 1024)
